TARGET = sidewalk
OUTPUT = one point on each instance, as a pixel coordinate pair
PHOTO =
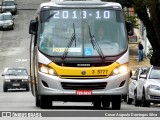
(134, 57)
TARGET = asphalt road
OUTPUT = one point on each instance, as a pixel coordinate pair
(14, 52)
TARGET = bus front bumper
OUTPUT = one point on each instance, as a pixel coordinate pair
(53, 85)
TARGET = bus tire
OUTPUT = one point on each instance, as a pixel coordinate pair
(97, 102)
(45, 102)
(105, 102)
(116, 102)
(37, 102)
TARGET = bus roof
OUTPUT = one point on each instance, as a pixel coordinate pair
(80, 3)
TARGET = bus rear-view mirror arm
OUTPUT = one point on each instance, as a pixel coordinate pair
(33, 27)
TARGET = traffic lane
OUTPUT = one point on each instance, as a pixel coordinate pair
(14, 44)
(16, 100)
(24, 101)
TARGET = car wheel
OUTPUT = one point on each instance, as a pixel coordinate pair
(105, 102)
(129, 100)
(97, 102)
(137, 102)
(145, 103)
(27, 88)
(45, 102)
(16, 12)
(12, 27)
(116, 102)
(5, 89)
(124, 98)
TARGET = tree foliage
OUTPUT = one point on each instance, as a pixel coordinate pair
(148, 12)
(132, 19)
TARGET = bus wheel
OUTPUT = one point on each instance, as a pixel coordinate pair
(105, 102)
(37, 102)
(116, 102)
(97, 102)
(45, 102)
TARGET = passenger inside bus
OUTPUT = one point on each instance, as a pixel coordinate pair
(102, 35)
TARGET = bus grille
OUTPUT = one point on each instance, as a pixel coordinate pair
(84, 64)
(84, 86)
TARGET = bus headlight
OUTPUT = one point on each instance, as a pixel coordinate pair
(120, 69)
(46, 69)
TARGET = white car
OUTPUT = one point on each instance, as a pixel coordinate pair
(9, 5)
(6, 21)
(15, 77)
(148, 87)
(133, 83)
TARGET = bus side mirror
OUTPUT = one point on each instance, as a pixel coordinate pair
(33, 28)
(129, 27)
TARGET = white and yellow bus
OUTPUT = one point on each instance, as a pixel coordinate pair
(68, 59)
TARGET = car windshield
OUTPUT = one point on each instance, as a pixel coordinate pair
(155, 74)
(8, 3)
(5, 17)
(17, 72)
(84, 32)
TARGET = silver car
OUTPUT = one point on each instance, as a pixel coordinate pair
(133, 83)
(9, 5)
(6, 21)
(15, 78)
(148, 87)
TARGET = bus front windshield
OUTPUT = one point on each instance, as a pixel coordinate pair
(78, 32)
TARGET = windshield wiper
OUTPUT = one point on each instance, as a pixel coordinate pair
(51, 15)
(95, 44)
(73, 37)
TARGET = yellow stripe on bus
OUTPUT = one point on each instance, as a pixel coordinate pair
(103, 71)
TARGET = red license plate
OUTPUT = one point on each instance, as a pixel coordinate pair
(83, 92)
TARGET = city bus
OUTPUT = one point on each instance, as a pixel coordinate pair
(68, 60)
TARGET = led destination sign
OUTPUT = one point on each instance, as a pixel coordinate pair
(76, 14)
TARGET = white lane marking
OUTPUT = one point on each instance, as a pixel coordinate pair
(22, 60)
